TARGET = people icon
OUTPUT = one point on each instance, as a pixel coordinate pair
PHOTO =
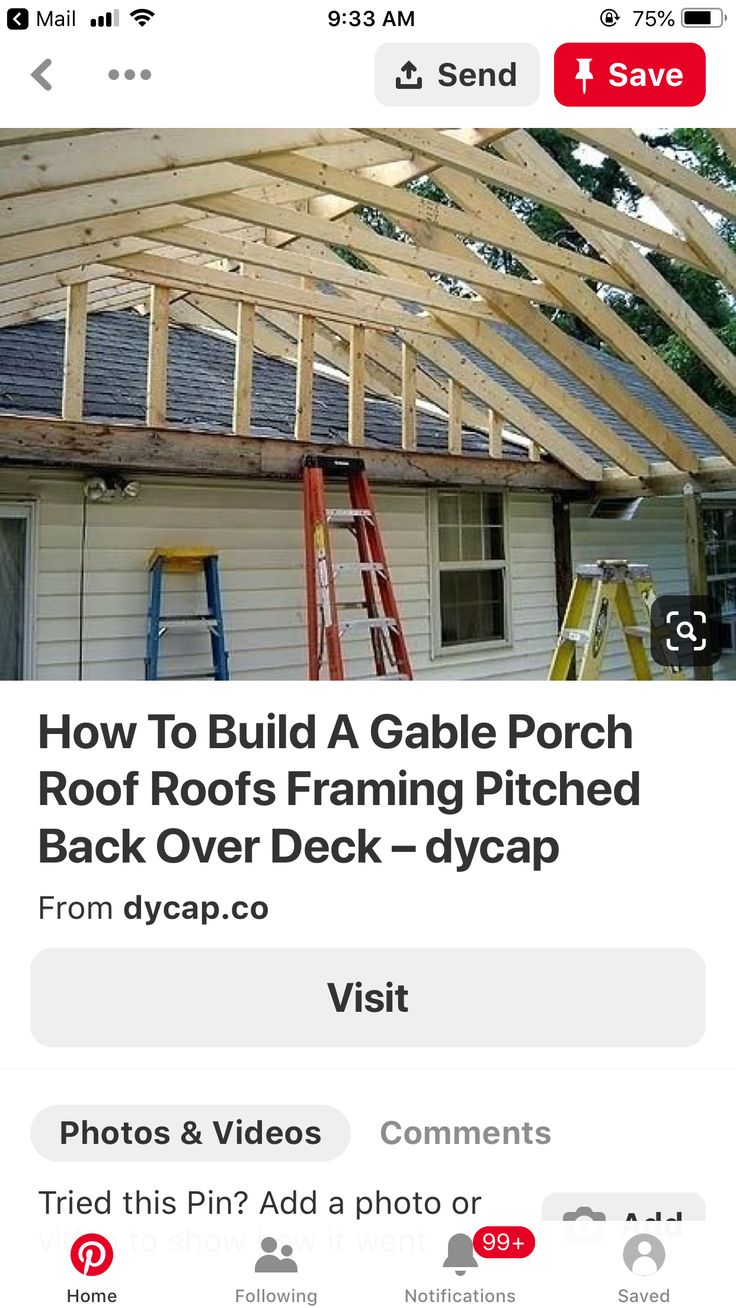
(287, 1262)
(269, 1260)
(644, 1255)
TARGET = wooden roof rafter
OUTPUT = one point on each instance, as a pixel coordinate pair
(436, 218)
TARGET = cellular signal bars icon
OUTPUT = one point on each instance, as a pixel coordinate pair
(110, 19)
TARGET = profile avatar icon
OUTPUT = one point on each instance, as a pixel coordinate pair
(460, 1254)
(644, 1255)
(270, 1261)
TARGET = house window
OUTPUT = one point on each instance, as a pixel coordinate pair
(471, 568)
(719, 522)
(14, 582)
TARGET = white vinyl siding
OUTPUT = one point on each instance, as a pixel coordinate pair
(257, 529)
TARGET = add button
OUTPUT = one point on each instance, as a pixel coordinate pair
(621, 74)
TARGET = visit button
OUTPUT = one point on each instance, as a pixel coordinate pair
(633, 74)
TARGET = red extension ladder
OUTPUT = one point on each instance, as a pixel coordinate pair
(327, 619)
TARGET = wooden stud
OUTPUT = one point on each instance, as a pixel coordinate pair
(695, 548)
(158, 357)
(454, 419)
(495, 434)
(304, 378)
(408, 398)
(75, 349)
(243, 388)
(535, 453)
(356, 388)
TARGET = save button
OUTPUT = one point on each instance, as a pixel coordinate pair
(629, 74)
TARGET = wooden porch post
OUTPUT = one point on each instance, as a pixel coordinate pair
(695, 546)
(562, 535)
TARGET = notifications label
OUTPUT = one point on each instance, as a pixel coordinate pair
(623, 74)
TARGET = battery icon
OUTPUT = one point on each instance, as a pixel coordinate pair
(702, 18)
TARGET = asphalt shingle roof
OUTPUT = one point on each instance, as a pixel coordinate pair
(201, 374)
(201, 368)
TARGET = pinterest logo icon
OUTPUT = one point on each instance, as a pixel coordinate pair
(91, 1255)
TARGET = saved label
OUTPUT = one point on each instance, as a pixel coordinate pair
(638, 74)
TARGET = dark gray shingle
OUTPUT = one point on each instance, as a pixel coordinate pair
(201, 371)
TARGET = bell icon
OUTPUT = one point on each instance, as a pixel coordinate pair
(460, 1254)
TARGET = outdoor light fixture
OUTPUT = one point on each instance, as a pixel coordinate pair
(104, 488)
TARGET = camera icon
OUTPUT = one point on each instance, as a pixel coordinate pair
(686, 631)
(584, 1214)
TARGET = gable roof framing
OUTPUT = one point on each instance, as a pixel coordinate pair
(215, 219)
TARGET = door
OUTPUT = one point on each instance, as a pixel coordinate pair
(15, 577)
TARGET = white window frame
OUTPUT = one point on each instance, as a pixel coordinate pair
(472, 649)
(729, 619)
(26, 512)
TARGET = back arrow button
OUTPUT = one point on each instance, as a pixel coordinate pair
(38, 74)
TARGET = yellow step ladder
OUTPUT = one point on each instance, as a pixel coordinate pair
(196, 559)
(605, 589)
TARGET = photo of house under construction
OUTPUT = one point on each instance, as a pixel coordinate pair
(279, 404)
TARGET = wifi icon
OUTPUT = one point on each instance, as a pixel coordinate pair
(142, 16)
